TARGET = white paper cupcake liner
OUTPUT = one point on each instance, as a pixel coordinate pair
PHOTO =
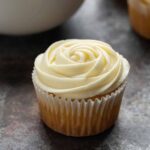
(79, 117)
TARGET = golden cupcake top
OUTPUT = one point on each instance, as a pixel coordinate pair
(139, 14)
(80, 68)
(146, 1)
(140, 2)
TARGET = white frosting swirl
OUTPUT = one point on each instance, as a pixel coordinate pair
(80, 69)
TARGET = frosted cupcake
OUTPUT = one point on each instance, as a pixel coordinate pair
(79, 85)
(139, 12)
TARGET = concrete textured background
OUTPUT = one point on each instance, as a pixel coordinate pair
(20, 124)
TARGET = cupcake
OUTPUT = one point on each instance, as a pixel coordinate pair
(79, 86)
(139, 13)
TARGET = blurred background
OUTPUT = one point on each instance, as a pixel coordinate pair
(27, 28)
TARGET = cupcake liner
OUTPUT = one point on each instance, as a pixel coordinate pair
(76, 117)
(139, 13)
(139, 5)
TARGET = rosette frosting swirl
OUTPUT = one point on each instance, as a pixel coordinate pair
(80, 68)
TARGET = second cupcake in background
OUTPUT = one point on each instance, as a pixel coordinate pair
(139, 13)
(79, 85)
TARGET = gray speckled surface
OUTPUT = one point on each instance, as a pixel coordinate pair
(20, 124)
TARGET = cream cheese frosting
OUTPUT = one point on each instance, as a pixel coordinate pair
(80, 68)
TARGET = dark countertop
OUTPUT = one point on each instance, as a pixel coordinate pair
(20, 124)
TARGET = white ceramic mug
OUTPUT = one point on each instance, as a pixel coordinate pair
(31, 16)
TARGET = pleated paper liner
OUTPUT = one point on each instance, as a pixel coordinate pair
(139, 13)
(79, 117)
